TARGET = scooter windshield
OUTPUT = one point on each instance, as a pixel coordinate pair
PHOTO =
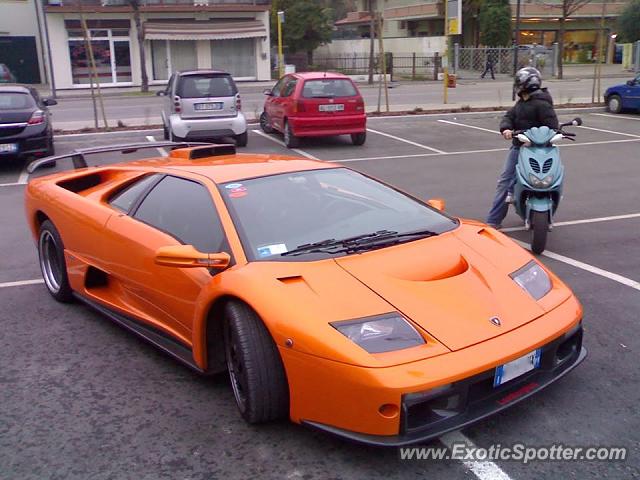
(540, 135)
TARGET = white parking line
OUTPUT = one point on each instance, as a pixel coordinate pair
(14, 184)
(121, 132)
(24, 175)
(280, 142)
(415, 144)
(585, 266)
(162, 151)
(21, 283)
(494, 132)
(609, 131)
(580, 222)
(483, 470)
(626, 117)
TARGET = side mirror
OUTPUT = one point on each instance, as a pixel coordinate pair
(631, 83)
(186, 256)
(160, 93)
(49, 102)
(576, 122)
(267, 92)
(437, 203)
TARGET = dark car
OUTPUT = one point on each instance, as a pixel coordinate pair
(623, 97)
(25, 124)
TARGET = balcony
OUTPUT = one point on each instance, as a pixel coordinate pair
(157, 5)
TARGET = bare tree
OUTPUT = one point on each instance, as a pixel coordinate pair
(569, 7)
(135, 5)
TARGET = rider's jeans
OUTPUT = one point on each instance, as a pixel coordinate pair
(505, 184)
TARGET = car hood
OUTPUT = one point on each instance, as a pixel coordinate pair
(451, 285)
(15, 116)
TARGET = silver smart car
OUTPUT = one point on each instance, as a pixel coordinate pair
(202, 105)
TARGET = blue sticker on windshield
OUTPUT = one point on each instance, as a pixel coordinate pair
(231, 186)
(269, 250)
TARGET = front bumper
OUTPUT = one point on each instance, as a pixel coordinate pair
(328, 125)
(427, 415)
(204, 128)
(353, 401)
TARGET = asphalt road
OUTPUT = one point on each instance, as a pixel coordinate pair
(81, 398)
(73, 113)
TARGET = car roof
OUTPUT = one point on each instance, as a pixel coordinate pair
(319, 75)
(14, 89)
(229, 168)
(183, 73)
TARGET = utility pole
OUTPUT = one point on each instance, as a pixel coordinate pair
(280, 54)
(445, 57)
(383, 61)
(516, 38)
(372, 35)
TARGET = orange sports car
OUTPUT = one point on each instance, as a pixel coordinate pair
(330, 297)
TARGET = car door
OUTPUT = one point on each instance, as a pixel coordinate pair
(633, 93)
(171, 211)
(275, 104)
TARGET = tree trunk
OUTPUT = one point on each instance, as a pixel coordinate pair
(561, 29)
(143, 60)
(309, 58)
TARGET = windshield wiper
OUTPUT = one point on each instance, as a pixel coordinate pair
(366, 241)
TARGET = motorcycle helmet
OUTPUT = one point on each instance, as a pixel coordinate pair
(527, 79)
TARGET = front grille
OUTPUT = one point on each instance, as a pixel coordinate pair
(535, 166)
(547, 165)
(10, 131)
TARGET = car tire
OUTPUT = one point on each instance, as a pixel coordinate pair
(165, 132)
(359, 138)
(265, 124)
(255, 368)
(52, 262)
(242, 139)
(51, 148)
(539, 230)
(614, 104)
(290, 140)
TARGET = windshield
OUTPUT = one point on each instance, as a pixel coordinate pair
(280, 213)
(15, 101)
(203, 86)
(332, 88)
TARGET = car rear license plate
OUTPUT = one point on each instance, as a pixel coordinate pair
(517, 367)
(208, 106)
(8, 147)
(331, 107)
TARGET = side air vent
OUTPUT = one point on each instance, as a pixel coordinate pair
(535, 166)
(547, 165)
(197, 153)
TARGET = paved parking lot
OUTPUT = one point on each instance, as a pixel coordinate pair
(83, 399)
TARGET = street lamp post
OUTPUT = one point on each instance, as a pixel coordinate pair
(280, 55)
(515, 47)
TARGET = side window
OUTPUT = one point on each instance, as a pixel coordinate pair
(276, 92)
(289, 87)
(184, 209)
(125, 198)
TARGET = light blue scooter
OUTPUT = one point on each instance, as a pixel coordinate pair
(539, 178)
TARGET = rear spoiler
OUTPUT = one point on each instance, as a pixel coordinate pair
(199, 150)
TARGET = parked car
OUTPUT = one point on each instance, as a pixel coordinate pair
(5, 74)
(314, 104)
(331, 298)
(624, 96)
(25, 123)
(203, 105)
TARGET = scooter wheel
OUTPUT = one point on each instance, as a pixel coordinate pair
(539, 229)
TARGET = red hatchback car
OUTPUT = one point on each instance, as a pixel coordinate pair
(314, 104)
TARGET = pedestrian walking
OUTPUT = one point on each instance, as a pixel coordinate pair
(490, 56)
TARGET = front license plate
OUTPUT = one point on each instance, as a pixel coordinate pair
(517, 367)
(208, 106)
(8, 147)
(331, 107)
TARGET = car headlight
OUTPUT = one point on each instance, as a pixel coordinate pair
(381, 333)
(533, 279)
(544, 183)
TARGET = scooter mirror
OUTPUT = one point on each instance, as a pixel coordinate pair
(577, 122)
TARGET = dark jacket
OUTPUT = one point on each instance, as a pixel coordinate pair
(536, 111)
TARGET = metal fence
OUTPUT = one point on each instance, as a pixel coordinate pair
(399, 66)
(471, 61)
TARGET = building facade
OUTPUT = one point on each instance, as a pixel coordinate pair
(230, 35)
(21, 46)
(405, 20)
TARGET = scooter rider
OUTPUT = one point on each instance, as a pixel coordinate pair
(534, 108)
